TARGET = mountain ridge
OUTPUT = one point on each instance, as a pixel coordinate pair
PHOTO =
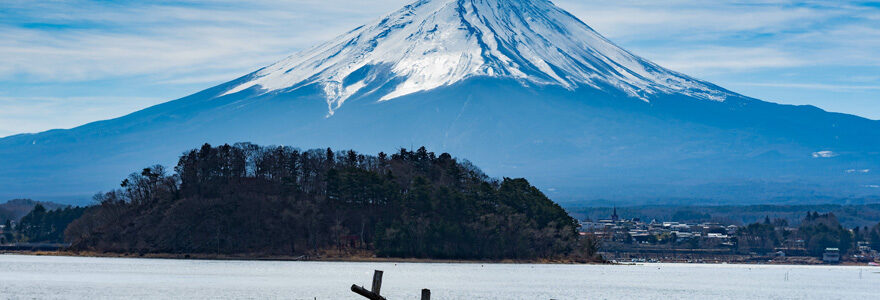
(429, 44)
(578, 142)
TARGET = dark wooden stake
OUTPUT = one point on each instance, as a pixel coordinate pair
(377, 286)
(364, 292)
(377, 282)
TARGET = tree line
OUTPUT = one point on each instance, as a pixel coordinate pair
(815, 233)
(42, 225)
(250, 199)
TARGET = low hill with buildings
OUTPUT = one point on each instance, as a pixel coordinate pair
(813, 238)
(850, 215)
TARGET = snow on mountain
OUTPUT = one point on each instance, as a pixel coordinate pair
(519, 87)
(434, 43)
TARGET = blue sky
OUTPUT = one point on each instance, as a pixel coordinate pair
(64, 63)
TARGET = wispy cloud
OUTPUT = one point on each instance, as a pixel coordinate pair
(139, 39)
(29, 114)
(726, 59)
(814, 86)
(818, 32)
(698, 19)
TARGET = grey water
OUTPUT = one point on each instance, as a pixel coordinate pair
(50, 277)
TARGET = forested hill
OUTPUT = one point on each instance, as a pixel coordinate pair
(248, 199)
(15, 209)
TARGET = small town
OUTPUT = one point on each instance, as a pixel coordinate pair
(818, 240)
(6, 233)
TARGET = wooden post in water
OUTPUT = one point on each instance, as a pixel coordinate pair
(377, 286)
(377, 282)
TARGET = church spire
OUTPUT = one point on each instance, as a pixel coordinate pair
(614, 216)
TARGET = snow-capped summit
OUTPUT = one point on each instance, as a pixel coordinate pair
(519, 87)
(434, 43)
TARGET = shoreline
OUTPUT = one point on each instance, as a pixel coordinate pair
(243, 257)
(364, 259)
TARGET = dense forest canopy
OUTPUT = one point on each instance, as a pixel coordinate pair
(873, 235)
(46, 226)
(821, 231)
(248, 199)
(817, 231)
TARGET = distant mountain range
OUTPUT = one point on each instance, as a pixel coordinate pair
(520, 87)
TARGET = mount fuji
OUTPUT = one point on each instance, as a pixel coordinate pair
(519, 87)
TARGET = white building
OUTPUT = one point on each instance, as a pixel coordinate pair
(831, 255)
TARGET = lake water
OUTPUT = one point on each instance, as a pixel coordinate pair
(44, 277)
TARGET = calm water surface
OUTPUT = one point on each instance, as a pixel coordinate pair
(42, 277)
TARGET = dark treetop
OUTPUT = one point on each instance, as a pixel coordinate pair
(248, 199)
